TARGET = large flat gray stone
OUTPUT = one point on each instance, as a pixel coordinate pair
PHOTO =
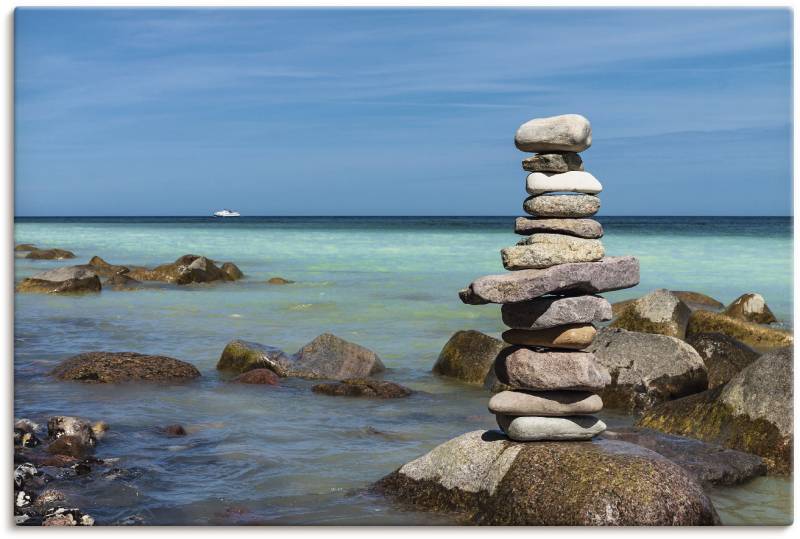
(610, 273)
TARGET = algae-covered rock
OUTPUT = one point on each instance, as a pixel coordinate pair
(232, 271)
(363, 387)
(329, 356)
(489, 479)
(115, 367)
(257, 377)
(242, 356)
(751, 413)
(646, 369)
(724, 356)
(278, 280)
(66, 280)
(49, 254)
(759, 337)
(468, 356)
(105, 269)
(24, 247)
(697, 299)
(752, 308)
(185, 270)
(659, 312)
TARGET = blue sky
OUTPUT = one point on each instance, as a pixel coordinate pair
(396, 112)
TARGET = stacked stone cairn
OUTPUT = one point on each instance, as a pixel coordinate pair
(549, 297)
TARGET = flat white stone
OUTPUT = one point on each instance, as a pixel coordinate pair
(536, 428)
(574, 181)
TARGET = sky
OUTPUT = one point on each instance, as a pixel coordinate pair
(396, 112)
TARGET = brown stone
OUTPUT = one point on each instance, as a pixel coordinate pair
(571, 336)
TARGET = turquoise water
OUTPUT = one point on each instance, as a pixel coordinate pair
(285, 455)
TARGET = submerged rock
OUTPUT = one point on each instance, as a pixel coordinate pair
(175, 430)
(24, 247)
(363, 387)
(49, 254)
(185, 270)
(660, 312)
(115, 367)
(724, 356)
(759, 337)
(120, 281)
(751, 413)
(468, 356)
(710, 464)
(66, 280)
(327, 356)
(258, 377)
(81, 429)
(104, 269)
(646, 369)
(242, 356)
(610, 273)
(278, 280)
(751, 308)
(492, 480)
(232, 271)
(71, 446)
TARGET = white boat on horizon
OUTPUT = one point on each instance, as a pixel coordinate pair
(227, 213)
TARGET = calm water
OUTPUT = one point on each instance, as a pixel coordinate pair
(284, 455)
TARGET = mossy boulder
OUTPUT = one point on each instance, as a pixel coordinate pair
(646, 369)
(363, 387)
(660, 312)
(751, 413)
(104, 269)
(116, 367)
(724, 356)
(468, 356)
(278, 280)
(697, 300)
(752, 308)
(120, 281)
(66, 280)
(257, 377)
(759, 337)
(24, 247)
(49, 254)
(185, 270)
(241, 356)
(488, 479)
(232, 271)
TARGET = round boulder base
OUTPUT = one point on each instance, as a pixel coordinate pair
(468, 356)
(115, 367)
(494, 481)
(257, 376)
(363, 387)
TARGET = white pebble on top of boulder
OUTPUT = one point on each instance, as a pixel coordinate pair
(564, 133)
(574, 181)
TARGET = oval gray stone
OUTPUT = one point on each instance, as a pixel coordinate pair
(553, 162)
(549, 312)
(561, 205)
(610, 273)
(533, 429)
(564, 133)
(523, 368)
(545, 403)
(545, 250)
(582, 228)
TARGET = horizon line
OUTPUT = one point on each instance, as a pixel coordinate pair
(376, 216)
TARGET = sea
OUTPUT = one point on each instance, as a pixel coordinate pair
(284, 455)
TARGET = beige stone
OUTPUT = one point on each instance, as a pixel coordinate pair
(571, 336)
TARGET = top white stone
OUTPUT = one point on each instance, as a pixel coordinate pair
(565, 133)
(574, 181)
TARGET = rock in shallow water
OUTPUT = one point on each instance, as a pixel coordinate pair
(572, 336)
(660, 312)
(49, 254)
(363, 387)
(610, 273)
(581, 228)
(258, 377)
(553, 162)
(242, 356)
(759, 337)
(564, 133)
(571, 206)
(492, 480)
(115, 367)
(544, 250)
(539, 183)
(468, 356)
(522, 368)
(534, 429)
(710, 464)
(66, 280)
(545, 403)
(751, 413)
(646, 369)
(752, 308)
(552, 311)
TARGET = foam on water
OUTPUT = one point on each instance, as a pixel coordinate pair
(286, 455)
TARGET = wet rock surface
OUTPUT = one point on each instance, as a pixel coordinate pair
(751, 413)
(491, 480)
(116, 367)
(468, 356)
(49, 254)
(258, 377)
(755, 335)
(660, 312)
(66, 280)
(363, 387)
(751, 308)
